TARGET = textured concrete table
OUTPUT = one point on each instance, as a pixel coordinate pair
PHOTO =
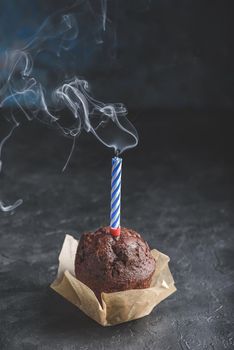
(178, 191)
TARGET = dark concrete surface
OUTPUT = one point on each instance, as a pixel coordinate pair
(178, 191)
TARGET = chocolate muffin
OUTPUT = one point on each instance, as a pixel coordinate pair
(109, 264)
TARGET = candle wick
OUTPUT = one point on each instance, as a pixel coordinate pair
(117, 152)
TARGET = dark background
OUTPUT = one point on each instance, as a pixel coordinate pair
(171, 63)
(156, 54)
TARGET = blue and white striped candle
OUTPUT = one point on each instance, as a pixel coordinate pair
(115, 195)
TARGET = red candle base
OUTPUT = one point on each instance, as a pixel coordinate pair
(115, 231)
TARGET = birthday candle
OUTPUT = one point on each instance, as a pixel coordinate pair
(115, 195)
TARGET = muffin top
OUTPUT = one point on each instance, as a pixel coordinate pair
(110, 263)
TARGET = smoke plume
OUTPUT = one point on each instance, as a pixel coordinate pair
(29, 85)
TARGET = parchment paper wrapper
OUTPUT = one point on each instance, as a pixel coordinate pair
(116, 307)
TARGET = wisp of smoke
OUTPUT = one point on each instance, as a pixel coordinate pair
(22, 89)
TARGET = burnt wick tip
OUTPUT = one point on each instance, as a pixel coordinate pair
(117, 152)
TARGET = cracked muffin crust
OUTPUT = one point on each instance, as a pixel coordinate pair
(109, 264)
